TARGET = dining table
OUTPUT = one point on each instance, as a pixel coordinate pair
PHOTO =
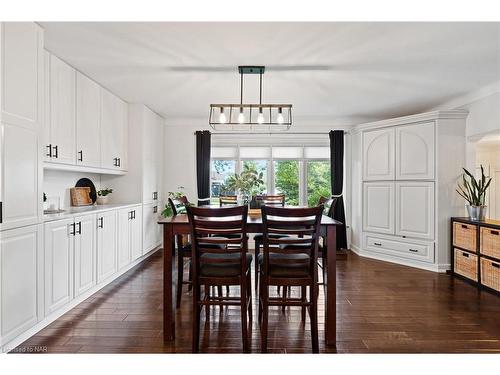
(179, 224)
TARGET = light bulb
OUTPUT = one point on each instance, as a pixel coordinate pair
(241, 116)
(222, 116)
(260, 117)
(280, 119)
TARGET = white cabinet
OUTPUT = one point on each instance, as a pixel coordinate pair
(21, 74)
(21, 280)
(106, 245)
(114, 131)
(415, 151)
(378, 154)
(129, 235)
(85, 253)
(420, 251)
(153, 156)
(415, 209)
(88, 104)
(378, 207)
(61, 144)
(151, 229)
(59, 252)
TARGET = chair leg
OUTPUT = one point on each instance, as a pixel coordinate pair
(180, 277)
(285, 289)
(256, 265)
(244, 320)
(249, 297)
(190, 286)
(196, 319)
(259, 297)
(219, 294)
(313, 312)
(207, 307)
(265, 316)
(304, 298)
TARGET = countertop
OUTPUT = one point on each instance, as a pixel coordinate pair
(77, 211)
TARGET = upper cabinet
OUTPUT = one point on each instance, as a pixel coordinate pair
(378, 155)
(61, 127)
(114, 125)
(152, 161)
(21, 82)
(415, 152)
(21, 73)
(88, 112)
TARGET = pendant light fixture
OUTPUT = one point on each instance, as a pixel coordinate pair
(244, 116)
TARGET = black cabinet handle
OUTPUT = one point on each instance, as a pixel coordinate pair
(100, 222)
(115, 162)
(49, 154)
(119, 162)
(1, 212)
(72, 225)
(414, 250)
(133, 214)
(155, 209)
(56, 152)
(79, 227)
(377, 244)
(465, 226)
(80, 157)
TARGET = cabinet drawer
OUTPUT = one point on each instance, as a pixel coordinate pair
(464, 236)
(490, 273)
(411, 250)
(490, 242)
(466, 264)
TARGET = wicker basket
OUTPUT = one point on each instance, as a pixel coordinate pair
(466, 264)
(464, 236)
(490, 273)
(490, 242)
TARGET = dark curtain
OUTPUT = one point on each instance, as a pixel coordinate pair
(203, 166)
(337, 180)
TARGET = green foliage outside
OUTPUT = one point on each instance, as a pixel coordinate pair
(287, 180)
(318, 181)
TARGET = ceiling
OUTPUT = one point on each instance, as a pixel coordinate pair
(345, 70)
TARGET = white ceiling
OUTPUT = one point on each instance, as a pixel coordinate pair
(360, 70)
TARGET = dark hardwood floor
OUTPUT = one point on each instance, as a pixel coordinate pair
(382, 308)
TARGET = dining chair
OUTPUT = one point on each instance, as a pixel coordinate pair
(228, 200)
(266, 200)
(218, 267)
(184, 248)
(290, 261)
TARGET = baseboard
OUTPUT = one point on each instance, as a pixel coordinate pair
(75, 302)
(387, 258)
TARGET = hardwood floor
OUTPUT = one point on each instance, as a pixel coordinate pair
(382, 308)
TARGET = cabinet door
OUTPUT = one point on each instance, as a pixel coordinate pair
(85, 253)
(62, 111)
(415, 152)
(378, 154)
(150, 227)
(19, 193)
(159, 159)
(20, 280)
(150, 156)
(378, 207)
(124, 219)
(114, 130)
(136, 233)
(415, 209)
(106, 245)
(59, 244)
(21, 74)
(88, 102)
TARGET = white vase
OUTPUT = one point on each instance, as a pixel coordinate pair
(103, 200)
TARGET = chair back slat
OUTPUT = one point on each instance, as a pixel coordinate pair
(228, 200)
(209, 225)
(271, 200)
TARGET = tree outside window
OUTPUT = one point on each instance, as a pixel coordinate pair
(286, 180)
(318, 181)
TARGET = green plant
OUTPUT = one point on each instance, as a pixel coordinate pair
(168, 210)
(247, 182)
(104, 192)
(472, 190)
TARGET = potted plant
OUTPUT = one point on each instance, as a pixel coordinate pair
(103, 196)
(168, 211)
(247, 183)
(474, 192)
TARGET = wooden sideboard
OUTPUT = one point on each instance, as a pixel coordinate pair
(475, 252)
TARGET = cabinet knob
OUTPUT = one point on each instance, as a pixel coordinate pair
(155, 209)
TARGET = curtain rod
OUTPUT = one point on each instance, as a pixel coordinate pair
(271, 133)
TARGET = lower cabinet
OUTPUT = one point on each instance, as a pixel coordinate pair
(378, 207)
(85, 253)
(59, 252)
(106, 245)
(151, 229)
(21, 280)
(129, 235)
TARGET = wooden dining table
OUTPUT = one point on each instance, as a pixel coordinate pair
(179, 224)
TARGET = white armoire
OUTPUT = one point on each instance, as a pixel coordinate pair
(404, 174)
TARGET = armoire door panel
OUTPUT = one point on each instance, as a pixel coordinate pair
(415, 209)
(415, 151)
(378, 155)
(378, 207)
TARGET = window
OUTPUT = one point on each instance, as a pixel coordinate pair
(302, 173)
(287, 179)
(220, 170)
(318, 181)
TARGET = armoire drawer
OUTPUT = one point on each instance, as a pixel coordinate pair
(422, 251)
